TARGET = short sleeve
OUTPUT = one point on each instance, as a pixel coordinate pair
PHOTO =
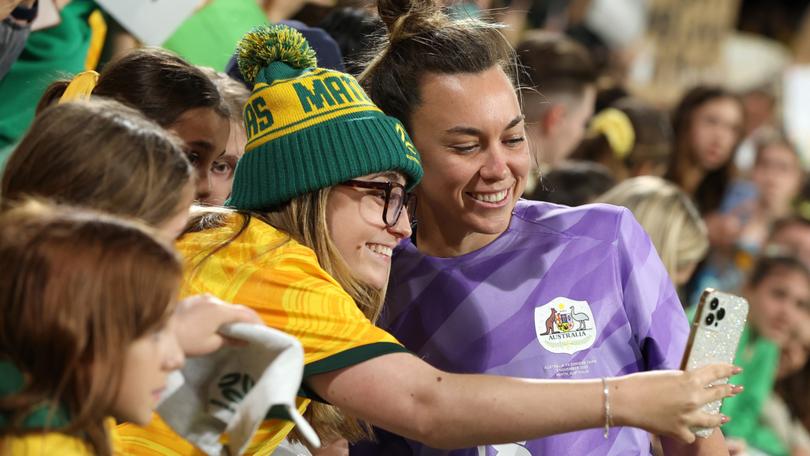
(292, 293)
(282, 281)
(655, 313)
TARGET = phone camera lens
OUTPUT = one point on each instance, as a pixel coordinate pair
(720, 314)
(709, 319)
(713, 305)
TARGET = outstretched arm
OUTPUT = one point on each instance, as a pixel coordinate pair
(405, 395)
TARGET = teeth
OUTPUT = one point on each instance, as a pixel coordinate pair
(490, 197)
(381, 249)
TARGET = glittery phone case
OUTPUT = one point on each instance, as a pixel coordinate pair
(715, 334)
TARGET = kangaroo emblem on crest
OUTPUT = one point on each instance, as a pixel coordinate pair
(550, 323)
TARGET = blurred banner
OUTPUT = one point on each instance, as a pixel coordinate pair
(150, 21)
(209, 37)
(684, 46)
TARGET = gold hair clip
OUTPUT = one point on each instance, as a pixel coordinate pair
(80, 87)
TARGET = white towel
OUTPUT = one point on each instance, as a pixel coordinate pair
(231, 391)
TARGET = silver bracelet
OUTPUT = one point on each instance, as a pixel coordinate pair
(606, 394)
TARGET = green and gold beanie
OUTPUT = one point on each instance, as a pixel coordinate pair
(308, 128)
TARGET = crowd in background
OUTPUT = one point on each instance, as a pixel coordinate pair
(708, 163)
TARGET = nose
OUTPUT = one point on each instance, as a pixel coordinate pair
(173, 357)
(495, 165)
(402, 228)
(203, 185)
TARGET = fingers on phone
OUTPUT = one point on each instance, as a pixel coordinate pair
(718, 392)
(709, 374)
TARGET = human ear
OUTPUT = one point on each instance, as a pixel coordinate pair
(553, 118)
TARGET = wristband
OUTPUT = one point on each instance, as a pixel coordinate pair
(608, 418)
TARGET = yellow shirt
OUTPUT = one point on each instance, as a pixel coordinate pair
(281, 280)
(44, 444)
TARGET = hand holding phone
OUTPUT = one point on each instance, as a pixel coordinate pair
(716, 330)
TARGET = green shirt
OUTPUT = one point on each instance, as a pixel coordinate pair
(50, 54)
(759, 359)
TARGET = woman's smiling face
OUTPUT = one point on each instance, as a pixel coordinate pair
(469, 132)
(355, 220)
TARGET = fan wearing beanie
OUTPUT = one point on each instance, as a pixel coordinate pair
(319, 203)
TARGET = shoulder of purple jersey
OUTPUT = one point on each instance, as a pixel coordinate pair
(595, 221)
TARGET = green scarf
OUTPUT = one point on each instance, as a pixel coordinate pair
(42, 417)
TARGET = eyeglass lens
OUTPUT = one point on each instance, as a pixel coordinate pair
(393, 209)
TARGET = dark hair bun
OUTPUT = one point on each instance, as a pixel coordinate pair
(402, 16)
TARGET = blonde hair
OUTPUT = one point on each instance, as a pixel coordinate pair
(669, 217)
(304, 220)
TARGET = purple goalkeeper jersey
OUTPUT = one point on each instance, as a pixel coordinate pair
(564, 293)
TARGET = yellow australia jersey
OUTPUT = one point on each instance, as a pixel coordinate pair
(280, 279)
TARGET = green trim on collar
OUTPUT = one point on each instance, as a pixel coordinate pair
(43, 416)
(351, 357)
(343, 359)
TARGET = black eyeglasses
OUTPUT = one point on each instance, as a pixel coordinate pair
(396, 198)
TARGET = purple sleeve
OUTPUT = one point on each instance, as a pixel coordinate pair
(655, 313)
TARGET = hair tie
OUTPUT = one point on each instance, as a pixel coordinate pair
(80, 87)
(617, 128)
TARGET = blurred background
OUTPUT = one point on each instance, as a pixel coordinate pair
(693, 114)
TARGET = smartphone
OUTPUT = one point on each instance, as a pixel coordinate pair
(716, 330)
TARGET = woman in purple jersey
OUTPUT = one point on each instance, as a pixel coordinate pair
(377, 383)
(470, 297)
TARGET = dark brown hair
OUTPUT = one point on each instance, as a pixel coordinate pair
(102, 155)
(770, 264)
(712, 188)
(550, 65)
(77, 288)
(156, 82)
(355, 30)
(789, 221)
(793, 390)
(234, 94)
(423, 39)
(573, 183)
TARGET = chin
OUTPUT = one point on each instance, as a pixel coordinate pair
(373, 280)
(141, 418)
(491, 225)
(143, 421)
